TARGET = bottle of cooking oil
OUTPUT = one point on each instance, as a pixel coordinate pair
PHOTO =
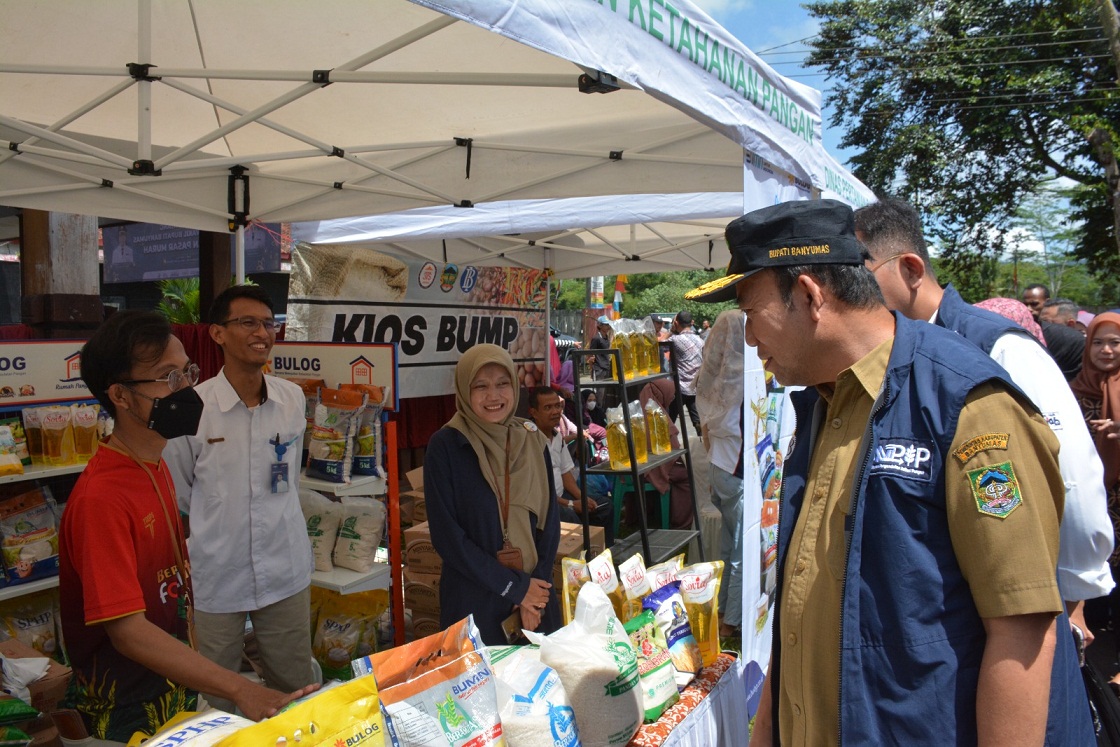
(617, 449)
(638, 428)
(658, 422)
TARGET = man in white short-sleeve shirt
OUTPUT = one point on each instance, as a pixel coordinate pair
(891, 231)
(238, 481)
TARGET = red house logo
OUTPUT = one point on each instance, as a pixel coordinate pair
(361, 371)
(73, 366)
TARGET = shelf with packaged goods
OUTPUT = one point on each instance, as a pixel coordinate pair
(36, 472)
(346, 581)
(360, 485)
(655, 544)
(652, 461)
(19, 590)
(630, 381)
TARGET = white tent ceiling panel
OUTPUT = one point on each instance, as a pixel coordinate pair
(235, 87)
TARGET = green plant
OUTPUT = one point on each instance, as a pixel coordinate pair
(180, 300)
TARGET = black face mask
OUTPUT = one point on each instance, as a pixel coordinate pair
(177, 414)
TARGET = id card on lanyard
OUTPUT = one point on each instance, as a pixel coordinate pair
(278, 477)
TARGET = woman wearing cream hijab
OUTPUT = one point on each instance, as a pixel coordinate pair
(488, 488)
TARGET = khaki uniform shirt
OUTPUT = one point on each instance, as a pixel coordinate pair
(1010, 563)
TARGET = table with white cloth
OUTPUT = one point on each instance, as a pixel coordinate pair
(712, 710)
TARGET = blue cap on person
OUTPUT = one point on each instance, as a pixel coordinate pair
(604, 319)
(803, 232)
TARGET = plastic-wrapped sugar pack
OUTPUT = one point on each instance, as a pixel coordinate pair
(534, 707)
(594, 659)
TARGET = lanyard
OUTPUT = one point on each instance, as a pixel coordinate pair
(176, 543)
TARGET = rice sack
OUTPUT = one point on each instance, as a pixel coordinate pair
(347, 714)
(205, 729)
(438, 690)
(533, 705)
(331, 449)
(655, 665)
(322, 516)
(594, 659)
(361, 524)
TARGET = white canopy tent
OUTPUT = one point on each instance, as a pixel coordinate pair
(575, 237)
(287, 111)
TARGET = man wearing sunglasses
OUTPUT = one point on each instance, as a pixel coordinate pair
(126, 601)
(237, 479)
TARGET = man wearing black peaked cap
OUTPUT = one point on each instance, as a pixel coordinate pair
(917, 600)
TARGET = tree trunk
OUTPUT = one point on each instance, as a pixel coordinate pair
(1099, 139)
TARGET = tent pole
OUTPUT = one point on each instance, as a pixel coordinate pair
(240, 255)
(144, 90)
(548, 317)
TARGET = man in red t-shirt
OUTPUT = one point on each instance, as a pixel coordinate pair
(124, 575)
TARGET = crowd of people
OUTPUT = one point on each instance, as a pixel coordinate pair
(949, 509)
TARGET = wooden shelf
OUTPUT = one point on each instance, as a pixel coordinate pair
(19, 590)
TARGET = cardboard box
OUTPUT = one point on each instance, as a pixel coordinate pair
(47, 691)
(571, 545)
(421, 592)
(415, 499)
(424, 624)
(43, 732)
(419, 554)
(598, 538)
(415, 478)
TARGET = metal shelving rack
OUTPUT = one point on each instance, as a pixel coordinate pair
(657, 545)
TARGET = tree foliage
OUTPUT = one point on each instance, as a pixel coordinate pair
(965, 107)
(648, 293)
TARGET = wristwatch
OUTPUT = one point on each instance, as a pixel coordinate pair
(571, 503)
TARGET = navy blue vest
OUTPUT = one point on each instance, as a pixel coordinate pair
(979, 326)
(911, 638)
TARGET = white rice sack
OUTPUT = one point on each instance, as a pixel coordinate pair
(595, 660)
(204, 730)
(359, 533)
(535, 709)
(322, 516)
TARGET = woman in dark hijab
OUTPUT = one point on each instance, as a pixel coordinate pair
(489, 491)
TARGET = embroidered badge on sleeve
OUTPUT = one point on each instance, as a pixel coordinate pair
(974, 446)
(996, 489)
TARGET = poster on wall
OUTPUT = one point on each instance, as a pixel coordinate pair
(145, 251)
(768, 415)
(435, 311)
(40, 372)
(338, 363)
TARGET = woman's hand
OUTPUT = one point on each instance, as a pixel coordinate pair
(530, 618)
(1111, 427)
(536, 597)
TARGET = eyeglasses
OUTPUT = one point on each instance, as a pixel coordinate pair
(175, 380)
(251, 323)
(891, 258)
